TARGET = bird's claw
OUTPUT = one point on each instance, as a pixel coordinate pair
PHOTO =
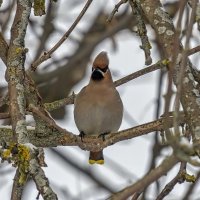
(81, 135)
(103, 136)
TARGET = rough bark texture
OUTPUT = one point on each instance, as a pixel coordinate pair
(165, 32)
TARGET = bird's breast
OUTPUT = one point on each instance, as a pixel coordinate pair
(98, 114)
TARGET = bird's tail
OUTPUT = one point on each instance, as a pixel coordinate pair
(96, 158)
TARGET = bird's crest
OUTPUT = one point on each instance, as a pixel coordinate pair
(101, 61)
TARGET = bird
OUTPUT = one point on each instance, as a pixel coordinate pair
(98, 108)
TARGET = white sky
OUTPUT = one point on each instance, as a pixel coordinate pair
(138, 97)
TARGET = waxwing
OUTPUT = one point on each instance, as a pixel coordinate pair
(98, 108)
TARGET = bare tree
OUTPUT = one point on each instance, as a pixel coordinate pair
(40, 79)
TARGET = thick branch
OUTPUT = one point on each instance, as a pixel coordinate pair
(41, 181)
(4, 115)
(60, 137)
(15, 70)
(165, 31)
(17, 189)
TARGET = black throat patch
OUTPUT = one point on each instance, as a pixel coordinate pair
(97, 75)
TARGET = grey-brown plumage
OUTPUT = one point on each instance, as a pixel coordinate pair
(98, 107)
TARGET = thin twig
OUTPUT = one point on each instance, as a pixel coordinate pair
(156, 173)
(182, 67)
(157, 147)
(49, 121)
(190, 190)
(179, 178)
(146, 70)
(174, 57)
(115, 10)
(136, 195)
(47, 55)
(70, 100)
(142, 31)
(171, 70)
(193, 50)
(60, 103)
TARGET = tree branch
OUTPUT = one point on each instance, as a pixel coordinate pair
(70, 100)
(17, 189)
(141, 30)
(15, 70)
(4, 115)
(56, 136)
(115, 10)
(3, 49)
(155, 174)
(179, 178)
(16, 81)
(193, 50)
(47, 55)
(165, 32)
(41, 181)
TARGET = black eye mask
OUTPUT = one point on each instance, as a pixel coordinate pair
(103, 70)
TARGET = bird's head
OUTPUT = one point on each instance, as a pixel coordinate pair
(100, 68)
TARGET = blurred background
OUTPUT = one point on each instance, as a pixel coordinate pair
(68, 71)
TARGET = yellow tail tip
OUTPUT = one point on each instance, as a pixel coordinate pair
(100, 162)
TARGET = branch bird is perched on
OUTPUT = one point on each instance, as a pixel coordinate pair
(98, 107)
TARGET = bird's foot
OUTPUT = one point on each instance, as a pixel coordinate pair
(103, 136)
(81, 135)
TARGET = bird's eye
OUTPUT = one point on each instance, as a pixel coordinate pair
(104, 69)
